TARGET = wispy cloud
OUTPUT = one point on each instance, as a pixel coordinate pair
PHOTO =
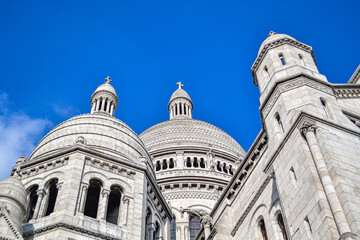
(18, 133)
(64, 110)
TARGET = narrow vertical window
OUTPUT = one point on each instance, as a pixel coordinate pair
(184, 109)
(173, 229)
(293, 176)
(218, 167)
(308, 227)
(180, 108)
(188, 162)
(202, 163)
(158, 166)
(100, 102)
(225, 168)
(92, 198)
(282, 227)
(279, 122)
(231, 170)
(263, 229)
(301, 59)
(52, 194)
(112, 213)
(33, 197)
(148, 224)
(156, 234)
(282, 59)
(164, 165)
(176, 109)
(194, 226)
(171, 163)
(267, 71)
(323, 104)
(196, 164)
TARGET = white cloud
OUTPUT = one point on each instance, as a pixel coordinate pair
(64, 110)
(18, 133)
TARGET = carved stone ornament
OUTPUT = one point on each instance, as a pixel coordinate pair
(81, 140)
(206, 220)
(306, 127)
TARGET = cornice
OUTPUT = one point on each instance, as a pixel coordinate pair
(355, 77)
(275, 44)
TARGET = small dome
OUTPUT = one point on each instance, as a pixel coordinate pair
(180, 93)
(98, 132)
(106, 87)
(273, 37)
(12, 188)
(190, 133)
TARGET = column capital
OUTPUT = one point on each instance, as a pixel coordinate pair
(85, 186)
(126, 200)
(40, 192)
(206, 220)
(59, 185)
(105, 193)
(307, 127)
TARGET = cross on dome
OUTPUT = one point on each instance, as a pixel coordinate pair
(108, 80)
(179, 84)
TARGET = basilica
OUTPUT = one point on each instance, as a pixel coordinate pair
(93, 177)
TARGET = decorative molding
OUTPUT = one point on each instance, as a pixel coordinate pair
(252, 203)
(107, 166)
(290, 85)
(347, 92)
(307, 127)
(355, 77)
(212, 234)
(69, 227)
(4, 213)
(190, 194)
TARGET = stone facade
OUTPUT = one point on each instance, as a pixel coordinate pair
(92, 177)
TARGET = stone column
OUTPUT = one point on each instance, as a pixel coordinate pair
(108, 106)
(96, 105)
(103, 105)
(308, 130)
(150, 231)
(178, 233)
(112, 109)
(126, 202)
(190, 112)
(186, 233)
(93, 107)
(58, 186)
(84, 190)
(103, 204)
(206, 222)
(41, 194)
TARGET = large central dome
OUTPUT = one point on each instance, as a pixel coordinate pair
(178, 133)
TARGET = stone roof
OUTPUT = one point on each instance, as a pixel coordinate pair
(180, 93)
(103, 133)
(273, 37)
(189, 132)
(106, 87)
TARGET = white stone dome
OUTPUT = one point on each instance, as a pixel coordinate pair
(98, 132)
(180, 133)
(180, 93)
(106, 87)
(273, 37)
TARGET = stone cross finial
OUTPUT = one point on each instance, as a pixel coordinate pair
(179, 84)
(108, 80)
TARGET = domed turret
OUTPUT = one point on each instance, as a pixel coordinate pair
(104, 100)
(13, 203)
(180, 104)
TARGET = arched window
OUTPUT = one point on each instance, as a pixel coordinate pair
(173, 229)
(224, 168)
(194, 226)
(100, 102)
(231, 170)
(158, 166)
(92, 198)
(281, 224)
(279, 122)
(33, 197)
(267, 71)
(218, 167)
(202, 163)
(196, 164)
(51, 198)
(184, 109)
(282, 59)
(180, 108)
(262, 229)
(112, 213)
(324, 106)
(164, 165)
(176, 109)
(188, 162)
(171, 163)
(301, 59)
(148, 223)
(156, 235)
(105, 104)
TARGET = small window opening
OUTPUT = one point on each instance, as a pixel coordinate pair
(195, 163)
(225, 168)
(92, 198)
(282, 59)
(308, 227)
(112, 213)
(218, 166)
(282, 226)
(263, 229)
(53, 191)
(188, 162)
(33, 197)
(267, 71)
(278, 119)
(194, 226)
(158, 166)
(105, 105)
(231, 170)
(323, 103)
(202, 163)
(293, 175)
(164, 165)
(100, 102)
(184, 108)
(180, 108)
(301, 59)
(176, 109)
(171, 163)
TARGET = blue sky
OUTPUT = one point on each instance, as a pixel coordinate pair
(54, 54)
